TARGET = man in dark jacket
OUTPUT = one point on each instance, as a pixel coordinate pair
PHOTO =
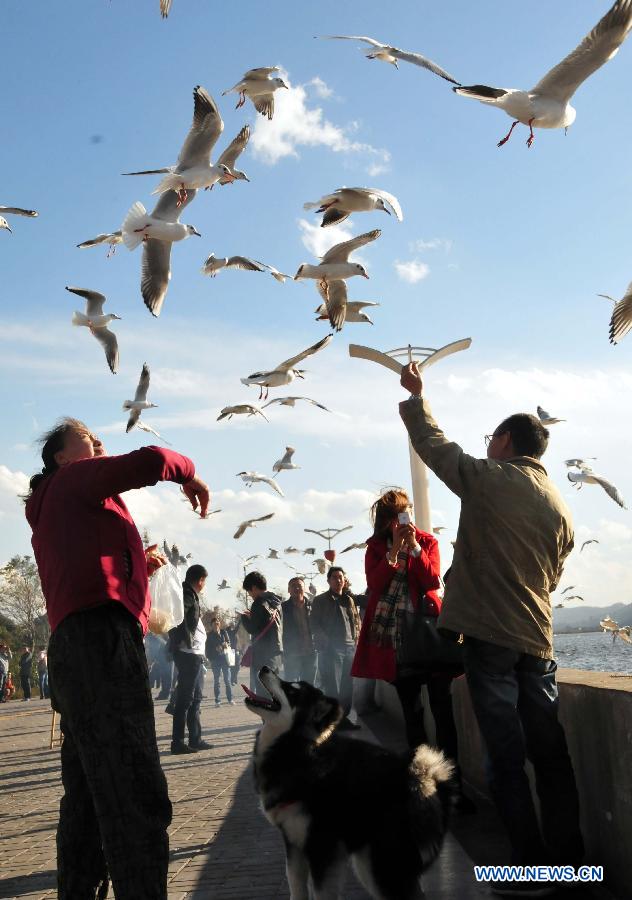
(26, 662)
(299, 656)
(264, 623)
(188, 642)
(335, 627)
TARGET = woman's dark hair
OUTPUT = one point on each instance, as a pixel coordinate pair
(194, 573)
(52, 442)
(255, 579)
(528, 435)
(386, 508)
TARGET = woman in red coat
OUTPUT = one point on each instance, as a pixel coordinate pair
(402, 570)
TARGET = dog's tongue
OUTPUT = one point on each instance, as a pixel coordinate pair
(254, 696)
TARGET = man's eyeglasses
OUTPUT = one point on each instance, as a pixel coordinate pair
(488, 439)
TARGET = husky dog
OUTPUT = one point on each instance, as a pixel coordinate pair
(334, 797)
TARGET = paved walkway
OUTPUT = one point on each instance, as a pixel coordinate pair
(222, 848)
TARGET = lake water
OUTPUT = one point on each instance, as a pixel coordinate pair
(593, 651)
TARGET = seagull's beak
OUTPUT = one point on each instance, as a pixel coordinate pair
(365, 275)
(8, 229)
(195, 231)
(386, 210)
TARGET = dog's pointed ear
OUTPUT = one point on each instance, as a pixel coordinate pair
(326, 715)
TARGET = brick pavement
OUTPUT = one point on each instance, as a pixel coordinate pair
(222, 848)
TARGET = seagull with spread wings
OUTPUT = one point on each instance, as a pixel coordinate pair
(145, 427)
(285, 463)
(360, 546)
(291, 401)
(285, 372)
(140, 401)
(351, 313)
(14, 211)
(112, 238)
(223, 585)
(240, 409)
(585, 544)
(390, 54)
(546, 418)
(97, 322)
(193, 169)
(547, 105)
(335, 265)
(250, 523)
(587, 476)
(621, 319)
(214, 264)
(259, 87)
(339, 205)
(251, 478)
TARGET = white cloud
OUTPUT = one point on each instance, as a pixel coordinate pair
(295, 124)
(13, 483)
(412, 271)
(319, 240)
(420, 245)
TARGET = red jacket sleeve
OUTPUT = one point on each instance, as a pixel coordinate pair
(424, 570)
(106, 476)
(377, 570)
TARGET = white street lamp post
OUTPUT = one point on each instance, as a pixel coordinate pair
(393, 360)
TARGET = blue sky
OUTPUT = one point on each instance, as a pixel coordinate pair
(508, 246)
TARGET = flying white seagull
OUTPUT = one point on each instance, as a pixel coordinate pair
(546, 418)
(240, 409)
(321, 565)
(251, 478)
(97, 322)
(547, 104)
(145, 427)
(285, 372)
(285, 463)
(577, 463)
(587, 476)
(352, 311)
(250, 523)
(388, 53)
(213, 264)
(291, 401)
(621, 319)
(157, 231)
(14, 211)
(140, 401)
(585, 544)
(339, 205)
(335, 265)
(257, 85)
(113, 238)
(273, 554)
(360, 546)
(193, 168)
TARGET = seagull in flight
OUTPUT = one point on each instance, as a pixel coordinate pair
(571, 587)
(193, 169)
(291, 401)
(321, 565)
(285, 463)
(259, 87)
(250, 523)
(547, 105)
(113, 238)
(587, 476)
(389, 54)
(352, 311)
(97, 322)
(165, 7)
(585, 544)
(335, 265)
(214, 264)
(621, 319)
(240, 409)
(251, 478)
(578, 463)
(144, 427)
(273, 554)
(223, 585)
(439, 528)
(140, 402)
(360, 546)
(546, 418)
(14, 211)
(339, 205)
(285, 372)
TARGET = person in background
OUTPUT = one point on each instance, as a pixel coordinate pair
(299, 656)
(5, 661)
(335, 628)
(26, 663)
(515, 531)
(188, 641)
(115, 811)
(264, 623)
(232, 632)
(42, 673)
(217, 643)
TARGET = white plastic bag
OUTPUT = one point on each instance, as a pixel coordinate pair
(167, 604)
(230, 656)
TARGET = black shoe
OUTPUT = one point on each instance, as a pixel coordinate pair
(201, 745)
(523, 888)
(169, 709)
(177, 749)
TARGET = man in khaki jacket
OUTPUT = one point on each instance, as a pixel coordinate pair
(514, 534)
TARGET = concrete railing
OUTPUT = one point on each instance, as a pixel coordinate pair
(596, 712)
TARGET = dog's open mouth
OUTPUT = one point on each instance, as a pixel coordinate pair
(253, 699)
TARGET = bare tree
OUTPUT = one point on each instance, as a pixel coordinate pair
(22, 598)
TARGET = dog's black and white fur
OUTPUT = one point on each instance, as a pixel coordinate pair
(334, 797)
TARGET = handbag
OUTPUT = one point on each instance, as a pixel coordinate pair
(423, 646)
(229, 653)
(246, 660)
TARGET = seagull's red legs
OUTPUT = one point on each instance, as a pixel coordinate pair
(508, 135)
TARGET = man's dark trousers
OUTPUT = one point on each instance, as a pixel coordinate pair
(25, 679)
(115, 811)
(334, 669)
(188, 697)
(515, 699)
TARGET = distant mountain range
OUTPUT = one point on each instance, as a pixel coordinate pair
(586, 618)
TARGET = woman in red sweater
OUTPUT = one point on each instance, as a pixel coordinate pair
(114, 814)
(402, 571)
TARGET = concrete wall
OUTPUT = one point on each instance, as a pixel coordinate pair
(596, 712)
